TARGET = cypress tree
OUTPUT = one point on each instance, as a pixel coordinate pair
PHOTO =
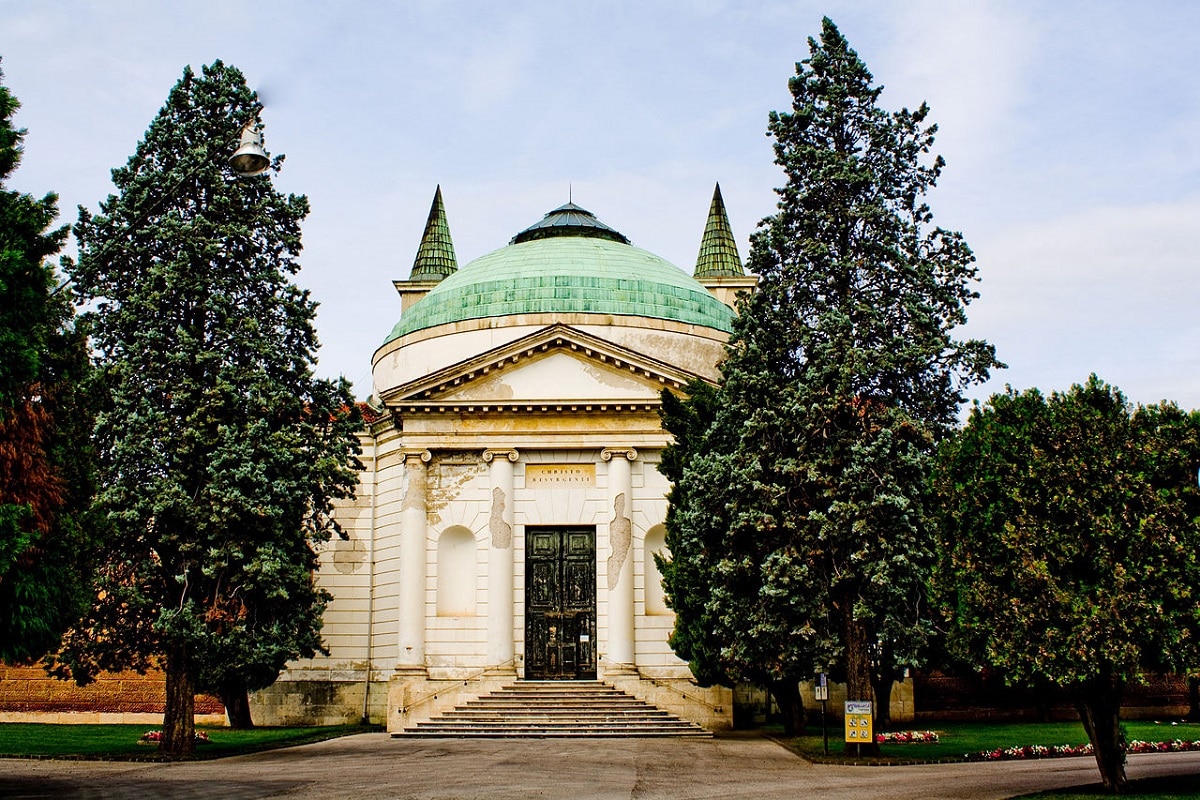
(45, 464)
(805, 502)
(220, 451)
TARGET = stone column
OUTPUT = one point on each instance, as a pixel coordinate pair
(620, 560)
(414, 525)
(500, 560)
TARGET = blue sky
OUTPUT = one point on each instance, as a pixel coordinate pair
(1071, 132)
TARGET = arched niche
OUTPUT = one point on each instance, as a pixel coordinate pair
(655, 542)
(456, 572)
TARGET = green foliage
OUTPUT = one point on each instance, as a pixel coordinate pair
(1069, 551)
(45, 461)
(695, 529)
(799, 527)
(221, 454)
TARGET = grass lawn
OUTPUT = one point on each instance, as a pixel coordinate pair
(120, 742)
(1185, 787)
(960, 738)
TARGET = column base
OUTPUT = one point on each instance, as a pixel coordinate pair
(619, 670)
(411, 671)
(508, 670)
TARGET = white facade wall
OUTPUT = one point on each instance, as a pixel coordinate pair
(459, 500)
(421, 530)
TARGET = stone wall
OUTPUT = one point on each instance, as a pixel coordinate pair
(901, 706)
(318, 702)
(710, 707)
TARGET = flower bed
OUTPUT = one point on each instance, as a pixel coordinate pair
(907, 737)
(155, 737)
(1173, 746)
(1030, 751)
(1041, 751)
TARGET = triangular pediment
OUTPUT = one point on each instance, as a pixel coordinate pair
(553, 366)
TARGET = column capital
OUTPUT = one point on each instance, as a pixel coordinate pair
(416, 452)
(493, 452)
(607, 453)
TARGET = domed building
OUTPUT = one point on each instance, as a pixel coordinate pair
(510, 505)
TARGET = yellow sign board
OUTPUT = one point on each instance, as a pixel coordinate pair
(858, 722)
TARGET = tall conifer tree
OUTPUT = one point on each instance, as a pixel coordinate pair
(45, 468)
(221, 453)
(803, 503)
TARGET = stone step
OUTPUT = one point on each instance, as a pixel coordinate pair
(555, 709)
(562, 710)
(447, 724)
(545, 733)
(538, 717)
(553, 702)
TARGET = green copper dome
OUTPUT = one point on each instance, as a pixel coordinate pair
(574, 265)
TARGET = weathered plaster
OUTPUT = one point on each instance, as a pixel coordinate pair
(501, 531)
(414, 481)
(348, 555)
(620, 535)
(446, 483)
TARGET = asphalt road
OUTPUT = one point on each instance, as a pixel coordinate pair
(378, 766)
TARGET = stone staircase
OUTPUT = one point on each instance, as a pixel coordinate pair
(555, 709)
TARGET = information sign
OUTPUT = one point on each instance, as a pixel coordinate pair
(821, 688)
(858, 722)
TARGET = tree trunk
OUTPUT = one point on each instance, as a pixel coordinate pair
(881, 684)
(791, 707)
(179, 718)
(1193, 698)
(1042, 700)
(1099, 704)
(858, 666)
(236, 699)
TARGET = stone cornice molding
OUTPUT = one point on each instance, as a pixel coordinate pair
(510, 453)
(607, 453)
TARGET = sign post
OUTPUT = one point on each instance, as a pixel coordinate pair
(821, 691)
(858, 723)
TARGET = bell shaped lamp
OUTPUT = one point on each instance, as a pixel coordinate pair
(250, 158)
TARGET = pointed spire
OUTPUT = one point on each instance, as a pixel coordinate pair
(718, 250)
(435, 257)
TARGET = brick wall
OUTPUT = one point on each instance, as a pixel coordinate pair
(940, 696)
(31, 690)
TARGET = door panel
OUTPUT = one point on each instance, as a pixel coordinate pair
(560, 603)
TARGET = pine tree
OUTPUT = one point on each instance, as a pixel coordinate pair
(809, 493)
(220, 452)
(45, 466)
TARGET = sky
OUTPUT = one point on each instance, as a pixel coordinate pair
(1071, 132)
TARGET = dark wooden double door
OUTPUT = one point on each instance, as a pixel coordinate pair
(560, 603)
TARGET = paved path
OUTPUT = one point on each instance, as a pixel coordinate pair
(377, 766)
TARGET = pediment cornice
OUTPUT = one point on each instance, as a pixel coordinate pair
(436, 388)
